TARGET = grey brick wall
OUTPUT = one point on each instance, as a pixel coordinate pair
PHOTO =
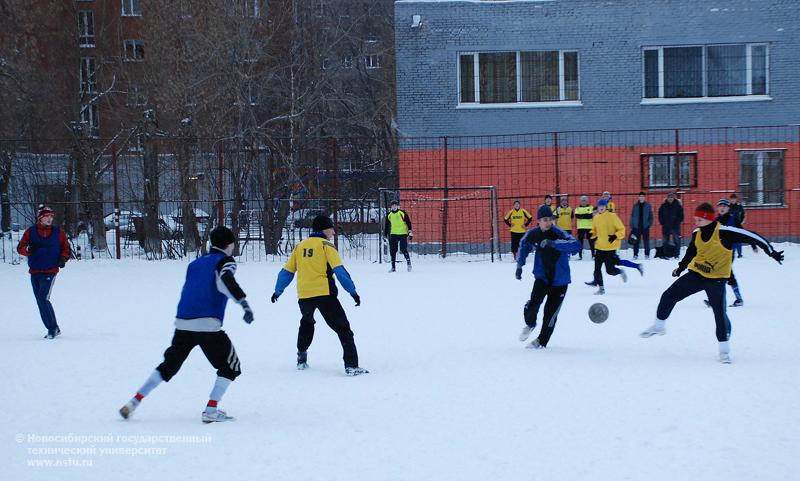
(609, 36)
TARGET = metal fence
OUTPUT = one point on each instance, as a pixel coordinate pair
(169, 192)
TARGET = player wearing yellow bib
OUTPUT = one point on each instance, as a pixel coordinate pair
(709, 258)
(397, 228)
(583, 217)
(612, 207)
(564, 214)
(315, 260)
(517, 219)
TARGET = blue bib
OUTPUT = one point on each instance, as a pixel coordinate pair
(47, 250)
(200, 296)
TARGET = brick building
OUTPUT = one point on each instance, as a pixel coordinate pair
(580, 96)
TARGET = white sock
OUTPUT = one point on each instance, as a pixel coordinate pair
(154, 380)
(725, 347)
(220, 386)
(660, 323)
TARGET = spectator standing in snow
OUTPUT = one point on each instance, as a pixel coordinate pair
(46, 247)
(641, 220)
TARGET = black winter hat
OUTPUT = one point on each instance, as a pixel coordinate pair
(544, 211)
(222, 237)
(321, 222)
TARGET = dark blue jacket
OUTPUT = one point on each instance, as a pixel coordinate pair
(550, 263)
(670, 215)
(647, 216)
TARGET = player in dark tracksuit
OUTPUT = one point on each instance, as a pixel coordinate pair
(209, 283)
(553, 247)
(708, 258)
(46, 247)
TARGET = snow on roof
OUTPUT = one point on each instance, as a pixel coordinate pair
(485, 2)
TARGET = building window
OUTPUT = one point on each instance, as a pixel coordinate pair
(131, 8)
(706, 71)
(518, 77)
(244, 8)
(372, 61)
(185, 8)
(321, 7)
(663, 171)
(86, 28)
(91, 119)
(134, 50)
(88, 79)
(761, 176)
(347, 61)
(135, 96)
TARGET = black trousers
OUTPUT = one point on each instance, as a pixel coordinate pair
(581, 234)
(216, 346)
(401, 241)
(334, 315)
(515, 238)
(692, 283)
(610, 259)
(555, 297)
(644, 236)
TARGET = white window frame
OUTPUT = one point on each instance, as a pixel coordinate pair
(86, 35)
(91, 115)
(760, 175)
(128, 12)
(245, 8)
(133, 42)
(518, 104)
(347, 62)
(747, 97)
(88, 75)
(370, 64)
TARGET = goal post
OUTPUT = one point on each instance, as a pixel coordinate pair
(446, 221)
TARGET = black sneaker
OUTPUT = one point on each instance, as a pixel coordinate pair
(591, 284)
(737, 303)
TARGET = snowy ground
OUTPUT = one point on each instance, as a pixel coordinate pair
(452, 394)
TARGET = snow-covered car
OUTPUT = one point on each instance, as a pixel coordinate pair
(125, 219)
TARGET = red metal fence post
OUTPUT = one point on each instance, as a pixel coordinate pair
(220, 185)
(335, 194)
(444, 202)
(116, 199)
(555, 149)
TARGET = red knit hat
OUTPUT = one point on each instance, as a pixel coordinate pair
(43, 211)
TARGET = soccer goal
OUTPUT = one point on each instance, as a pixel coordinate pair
(447, 221)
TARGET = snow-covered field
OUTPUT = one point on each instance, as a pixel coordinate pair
(452, 394)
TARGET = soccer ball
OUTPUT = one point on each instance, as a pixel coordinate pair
(598, 313)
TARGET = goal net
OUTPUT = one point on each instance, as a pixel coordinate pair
(447, 222)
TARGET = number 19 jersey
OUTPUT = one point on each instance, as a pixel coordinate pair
(313, 260)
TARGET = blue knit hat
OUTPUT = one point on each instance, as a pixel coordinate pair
(544, 211)
(602, 202)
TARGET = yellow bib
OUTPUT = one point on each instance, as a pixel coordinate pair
(517, 217)
(564, 221)
(713, 260)
(585, 211)
(397, 221)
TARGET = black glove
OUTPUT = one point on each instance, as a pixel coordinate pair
(274, 297)
(677, 272)
(356, 298)
(518, 273)
(248, 313)
(612, 238)
(778, 256)
(545, 243)
(410, 235)
(62, 261)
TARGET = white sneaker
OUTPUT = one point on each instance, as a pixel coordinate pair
(526, 332)
(653, 330)
(218, 416)
(724, 358)
(535, 344)
(355, 371)
(127, 410)
(600, 291)
(409, 266)
(640, 268)
(623, 275)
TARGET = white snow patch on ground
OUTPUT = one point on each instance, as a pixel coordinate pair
(452, 394)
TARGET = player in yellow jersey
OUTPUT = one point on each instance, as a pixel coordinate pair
(397, 229)
(564, 214)
(517, 219)
(709, 258)
(583, 217)
(315, 260)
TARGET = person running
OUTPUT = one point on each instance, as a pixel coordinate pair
(564, 214)
(46, 247)
(738, 215)
(612, 207)
(517, 219)
(608, 232)
(708, 258)
(641, 220)
(315, 260)
(583, 216)
(209, 283)
(397, 228)
(553, 247)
